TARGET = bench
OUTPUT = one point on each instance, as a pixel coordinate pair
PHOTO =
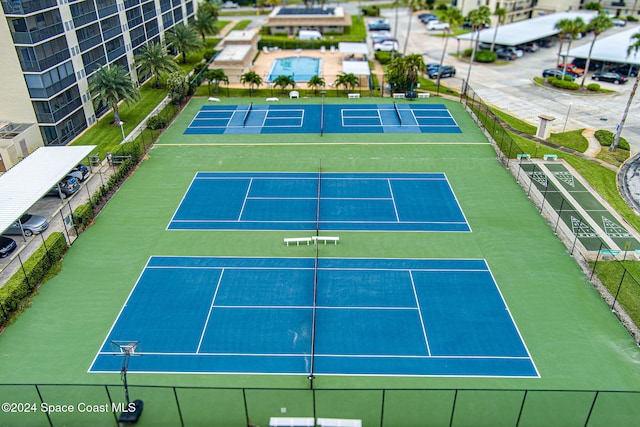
(354, 95)
(212, 99)
(272, 100)
(524, 156)
(423, 95)
(610, 252)
(550, 157)
(291, 422)
(326, 239)
(398, 95)
(297, 240)
(338, 422)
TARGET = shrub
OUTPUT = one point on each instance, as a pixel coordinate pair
(372, 10)
(632, 18)
(82, 216)
(595, 87)
(383, 57)
(606, 138)
(15, 293)
(198, 67)
(467, 52)
(485, 56)
(156, 122)
(208, 54)
(565, 84)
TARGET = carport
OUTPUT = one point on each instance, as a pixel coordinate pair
(527, 31)
(609, 49)
(28, 181)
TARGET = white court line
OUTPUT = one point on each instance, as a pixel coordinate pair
(424, 329)
(206, 323)
(393, 199)
(244, 202)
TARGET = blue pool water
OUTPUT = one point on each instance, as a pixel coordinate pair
(301, 68)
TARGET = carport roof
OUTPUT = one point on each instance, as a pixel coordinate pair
(610, 49)
(528, 30)
(25, 183)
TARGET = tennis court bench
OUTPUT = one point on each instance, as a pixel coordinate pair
(212, 99)
(423, 95)
(291, 422)
(524, 156)
(272, 99)
(338, 422)
(609, 252)
(550, 157)
(398, 95)
(326, 239)
(297, 240)
(354, 95)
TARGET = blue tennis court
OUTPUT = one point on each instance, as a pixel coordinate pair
(401, 317)
(339, 201)
(332, 118)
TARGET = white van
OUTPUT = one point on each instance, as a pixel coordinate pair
(309, 35)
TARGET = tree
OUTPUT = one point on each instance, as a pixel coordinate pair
(575, 27)
(348, 80)
(153, 59)
(598, 25)
(178, 87)
(593, 6)
(453, 17)
(563, 26)
(252, 79)
(633, 47)
(205, 23)
(110, 85)
(284, 82)
(501, 14)
(477, 19)
(211, 6)
(316, 82)
(403, 73)
(183, 39)
(413, 5)
(216, 76)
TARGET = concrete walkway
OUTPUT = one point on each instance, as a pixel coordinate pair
(594, 144)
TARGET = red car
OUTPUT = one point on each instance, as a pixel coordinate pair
(573, 69)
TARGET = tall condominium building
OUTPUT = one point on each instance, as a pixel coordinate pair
(50, 48)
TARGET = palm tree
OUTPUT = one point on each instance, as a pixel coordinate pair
(284, 82)
(477, 18)
(633, 47)
(599, 25)
(576, 26)
(501, 13)
(205, 23)
(564, 26)
(413, 67)
(110, 85)
(183, 39)
(252, 79)
(453, 17)
(315, 82)
(153, 59)
(412, 4)
(348, 80)
(215, 76)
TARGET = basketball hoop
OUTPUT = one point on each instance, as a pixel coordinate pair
(126, 349)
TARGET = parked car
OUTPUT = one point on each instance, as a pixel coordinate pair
(609, 77)
(573, 69)
(619, 22)
(31, 224)
(582, 63)
(67, 186)
(519, 53)
(484, 46)
(432, 65)
(558, 74)
(426, 17)
(7, 245)
(230, 5)
(379, 25)
(530, 47)
(466, 25)
(505, 54)
(627, 70)
(446, 71)
(80, 172)
(386, 46)
(437, 25)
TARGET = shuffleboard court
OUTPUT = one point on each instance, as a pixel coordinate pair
(424, 317)
(332, 201)
(329, 118)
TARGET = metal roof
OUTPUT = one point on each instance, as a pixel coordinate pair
(26, 183)
(347, 48)
(610, 49)
(528, 30)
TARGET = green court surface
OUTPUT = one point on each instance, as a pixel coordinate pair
(576, 343)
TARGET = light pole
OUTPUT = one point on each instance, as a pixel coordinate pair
(567, 118)
(121, 123)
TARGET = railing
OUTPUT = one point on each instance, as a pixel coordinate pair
(101, 404)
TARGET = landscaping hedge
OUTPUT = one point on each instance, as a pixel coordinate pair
(606, 138)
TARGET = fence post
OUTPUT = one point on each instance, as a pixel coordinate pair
(175, 394)
(576, 238)
(595, 263)
(524, 398)
(382, 409)
(42, 401)
(555, 230)
(624, 272)
(453, 408)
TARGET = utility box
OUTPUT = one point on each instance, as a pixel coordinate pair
(544, 127)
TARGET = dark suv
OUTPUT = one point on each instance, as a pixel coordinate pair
(67, 186)
(447, 71)
(505, 54)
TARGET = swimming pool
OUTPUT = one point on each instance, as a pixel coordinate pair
(301, 68)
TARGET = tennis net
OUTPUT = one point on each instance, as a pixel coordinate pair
(315, 280)
(246, 115)
(395, 107)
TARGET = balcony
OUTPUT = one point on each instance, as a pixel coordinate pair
(36, 36)
(87, 18)
(111, 33)
(116, 53)
(24, 7)
(48, 92)
(108, 10)
(48, 62)
(90, 42)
